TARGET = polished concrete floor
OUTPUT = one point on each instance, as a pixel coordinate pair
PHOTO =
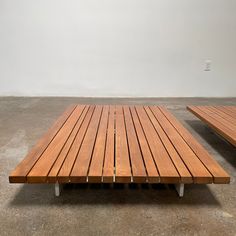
(100, 209)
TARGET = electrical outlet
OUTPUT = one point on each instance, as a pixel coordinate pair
(207, 65)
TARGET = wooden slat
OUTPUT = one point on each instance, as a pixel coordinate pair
(218, 173)
(230, 110)
(64, 173)
(42, 167)
(122, 144)
(52, 176)
(80, 169)
(227, 111)
(215, 118)
(96, 166)
(215, 114)
(228, 134)
(225, 115)
(136, 159)
(197, 169)
(185, 175)
(122, 162)
(153, 175)
(18, 175)
(109, 159)
(167, 170)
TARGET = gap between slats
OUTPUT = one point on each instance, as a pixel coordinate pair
(38, 173)
(224, 114)
(223, 127)
(51, 141)
(216, 115)
(97, 159)
(80, 177)
(167, 170)
(189, 179)
(187, 132)
(213, 123)
(53, 178)
(154, 176)
(64, 173)
(138, 169)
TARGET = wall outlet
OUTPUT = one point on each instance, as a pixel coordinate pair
(207, 65)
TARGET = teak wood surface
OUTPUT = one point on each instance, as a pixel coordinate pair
(123, 144)
(220, 118)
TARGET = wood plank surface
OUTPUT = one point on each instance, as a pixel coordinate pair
(96, 166)
(197, 169)
(80, 169)
(215, 114)
(64, 173)
(184, 173)
(18, 175)
(42, 167)
(231, 114)
(230, 110)
(122, 161)
(166, 168)
(123, 144)
(218, 173)
(224, 128)
(109, 158)
(136, 159)
(224, 115)
(52, 176)
(152, 172)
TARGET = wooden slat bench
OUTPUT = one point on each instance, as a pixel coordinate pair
(222, 119)
(118, 144)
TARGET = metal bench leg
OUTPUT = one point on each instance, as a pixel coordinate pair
(180, 189)
(57, 189)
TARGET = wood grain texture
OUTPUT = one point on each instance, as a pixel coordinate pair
(81, 166)
(218, 173)
(96, 166)
(42, 167)
(64, 173)
(18, 175)
(109, 158)
(197, 169)
(52, 176)
(121, 144)
(157, 121)
(166, 168)
(214, 118)
(122, 161)
(152, 172)
(228, 112)
(136, 159)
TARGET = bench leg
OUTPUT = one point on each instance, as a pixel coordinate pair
(57, 189)
(180, 189)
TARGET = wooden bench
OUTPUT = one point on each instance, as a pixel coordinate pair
(118, 144)
(222, 119)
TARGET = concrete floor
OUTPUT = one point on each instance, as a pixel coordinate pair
(102, 210)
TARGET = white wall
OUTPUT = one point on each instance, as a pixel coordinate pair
(103, 48)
